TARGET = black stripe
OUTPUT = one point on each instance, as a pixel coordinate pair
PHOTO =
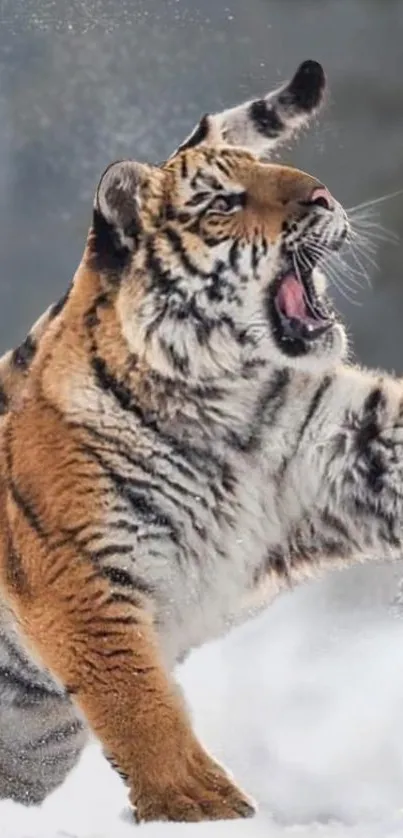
(4, 401)
(22, 356)
(13, 650)
(117, 653)
(233, 256)
(16, 575)
(254, 257)
(207, 180)
(19, 662)
(14, 679)
(314, 405)
(142, 485)
(101, 634)
(267, 409)
(56, 574)
(388, 523)
(107, 251)
(91, 316)
(159, 275)
(372, 467)
(122, 620)
(181, 251)
(333, 522)
(109, 383)
(27, 510)
(276, 560)
(215, 290)
(57, 307)
(115, 766)
(369, 442)
(195, 201)
(147, 510)
(184, 166)
(56, 736)
(266, 119)
(369, 426)
(122, 524)
(274, 397)
(125, 579)
(118, 576)
(374, 401)
(222, 167)
(197, 136)
(109, 550)
(180, 363)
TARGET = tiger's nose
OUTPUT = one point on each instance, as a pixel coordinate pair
(321, 197)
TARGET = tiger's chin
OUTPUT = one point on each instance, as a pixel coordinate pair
(305, 328)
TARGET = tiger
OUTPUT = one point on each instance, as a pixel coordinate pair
(191, 439)
(42, 734)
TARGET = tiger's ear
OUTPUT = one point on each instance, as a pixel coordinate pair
(117, 225)
(263, 124)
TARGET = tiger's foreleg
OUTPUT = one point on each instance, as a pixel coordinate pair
(349, 460)
(104, 650)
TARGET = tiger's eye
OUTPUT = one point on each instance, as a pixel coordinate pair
(221, 205)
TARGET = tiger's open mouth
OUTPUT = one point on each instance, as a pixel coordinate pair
(298, 313)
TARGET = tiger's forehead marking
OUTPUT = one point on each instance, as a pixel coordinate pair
(208, 164)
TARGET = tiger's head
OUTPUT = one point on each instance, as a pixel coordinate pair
(215, 255)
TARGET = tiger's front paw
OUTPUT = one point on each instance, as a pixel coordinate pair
(204, 792)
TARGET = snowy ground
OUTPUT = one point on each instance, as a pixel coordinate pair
(304, 704)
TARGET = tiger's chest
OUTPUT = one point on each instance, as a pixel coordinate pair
(199, 527)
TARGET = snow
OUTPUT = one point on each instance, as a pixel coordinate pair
(303, 704)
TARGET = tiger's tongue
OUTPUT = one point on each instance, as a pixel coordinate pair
(292, 301)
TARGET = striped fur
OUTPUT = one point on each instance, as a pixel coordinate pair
(151, 476)
(41, 733)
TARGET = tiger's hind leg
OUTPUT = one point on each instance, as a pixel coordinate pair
(41, 734)
(40, 743)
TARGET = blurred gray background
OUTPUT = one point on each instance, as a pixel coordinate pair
(84, 82)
